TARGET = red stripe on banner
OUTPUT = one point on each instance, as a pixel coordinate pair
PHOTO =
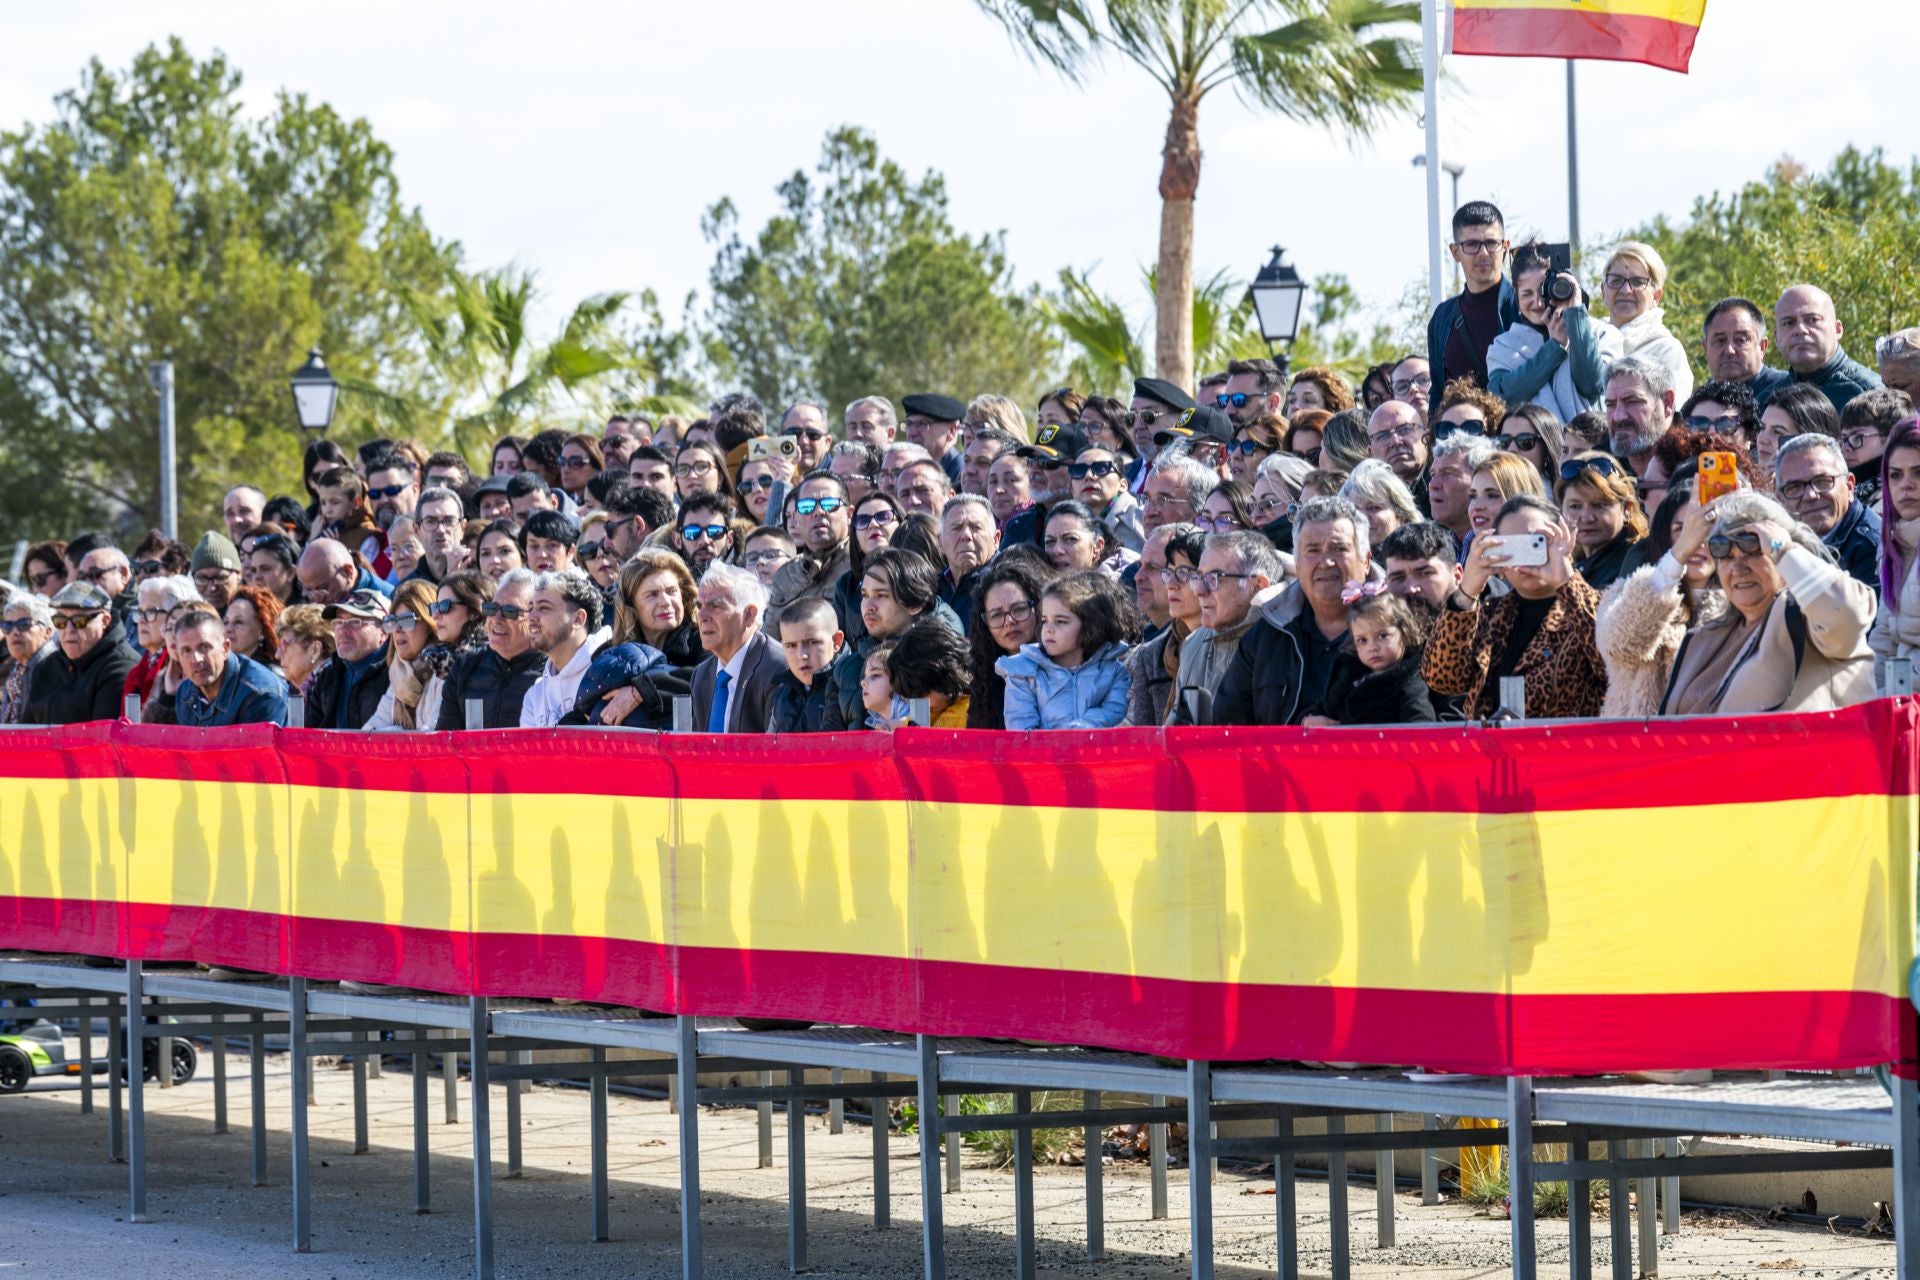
(355, 951)
(209, 935)
(1558, 33)
(86, 926)
(410, 762)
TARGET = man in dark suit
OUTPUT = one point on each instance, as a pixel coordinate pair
(733, 688)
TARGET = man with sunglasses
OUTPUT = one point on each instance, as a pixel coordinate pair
(805, 423)
(108, 568)
(1465, 325)
(633, 512)
(1099, 479)
(822, 523)
(704, 531)
(222, 687)
(933, 423)
(1253, 388)
(1156, 402)
(82, 680)
(348, 690)
(498, 676)
(1054, 447)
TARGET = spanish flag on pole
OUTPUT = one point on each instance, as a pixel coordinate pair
(1659, 32)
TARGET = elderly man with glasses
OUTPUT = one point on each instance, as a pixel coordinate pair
(498, 676)
(1465, 325)
(83, 679)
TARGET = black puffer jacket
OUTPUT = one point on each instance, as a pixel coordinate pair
(1397, 695)
(63, 692)
(325, 709)
(501, 684)
(799, 708)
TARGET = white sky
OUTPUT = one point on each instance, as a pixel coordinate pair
(585, 140)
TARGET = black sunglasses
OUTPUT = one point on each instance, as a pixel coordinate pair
(1523, 441)
(511, 612)
(441, 608)
(1721, 546)
(389, 491)
(1098, 470)
(1572, 467)
(1445, 429)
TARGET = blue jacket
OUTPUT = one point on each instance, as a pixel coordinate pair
(1042, 694)
(1440, 327)
(618, 666)
(1839, 379)
(1855, 543)
(368, 582)
(249, 694)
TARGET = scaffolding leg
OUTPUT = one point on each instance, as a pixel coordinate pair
(1670, 1193)
(482, 1141)
(1647, 1216)
(1383, 1172)
(1096, 1184)
(765, 1116)
(422, 1151)
(882, 1187)
(836, 1106)
(1338, 1226)
(257, 1094)
(116, 1066)
(1199, 1161)
(136, 1092)
(1429, 1166)
(1619, 1216)
(513, 1123)
(1157, 1161)
(218, 1048)
(297, 1049)
(450, 1078)
(1906, 1178)
(1286, 1203)
(1579, 1218)
(796, 1174)
(86, 1057)
(360, 1143)
(1023, 1189)
(687, 1073)
(933, 1248)
(1520, 1173)
(597, 1141)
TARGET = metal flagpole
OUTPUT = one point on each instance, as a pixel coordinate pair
(1430, 74)
(1573, 167)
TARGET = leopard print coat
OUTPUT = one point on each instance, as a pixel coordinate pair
(1565, 675)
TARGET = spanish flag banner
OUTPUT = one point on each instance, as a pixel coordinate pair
(1535, 899)
(1658, 32)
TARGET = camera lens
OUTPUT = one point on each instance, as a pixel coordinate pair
(1560, 290)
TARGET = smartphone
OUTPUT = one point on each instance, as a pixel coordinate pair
(1523, 550)
(1719, 474)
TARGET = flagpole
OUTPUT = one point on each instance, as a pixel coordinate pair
(1573, 167)
(1430, 74)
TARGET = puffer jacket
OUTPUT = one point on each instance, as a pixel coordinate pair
(500, 685)
(1204, 660)
(1266, 682)
(1042, 694)
(1647, 336)
(1359, 696)
(1639, 628)
(635, 665)
(1525, 366)
(800, 708)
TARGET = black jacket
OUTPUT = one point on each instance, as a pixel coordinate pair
(1612, 562)
(845, 710)
(958, 596)
(63, 692)
(331, 705)
(501, 684)
(1266, 683)
(1397, 695)
(800, 708)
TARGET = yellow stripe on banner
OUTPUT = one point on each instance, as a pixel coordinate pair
(61, 838)
(587, 866)
(209, 844)
(381, 857)
(1687, 12)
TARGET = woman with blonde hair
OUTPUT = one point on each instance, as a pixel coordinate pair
(1601, 504)
(409, 629)
(655, 606)
(1503, 476)
(1632, 289)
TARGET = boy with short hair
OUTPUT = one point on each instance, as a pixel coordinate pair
(811, 639)
(344, 514)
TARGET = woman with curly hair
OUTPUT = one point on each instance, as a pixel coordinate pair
(252, 618)
(1318, 387)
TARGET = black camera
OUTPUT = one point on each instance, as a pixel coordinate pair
(1559, 262)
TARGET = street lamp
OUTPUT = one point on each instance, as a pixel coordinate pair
(1278, 295)
(314, 393)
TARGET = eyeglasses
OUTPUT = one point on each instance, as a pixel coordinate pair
(703, 532)
(40, 580)
(388, 491)
(141, 568)
(399, 622)
(883, 516)
(1097, 470)
(1726, 423)
(1238, 400)
(758, 482)
(1520, 441)
(20, 626)
(438, 522)
(214, 577)
(1405, 431)
(1894, 345)
(1246, 448)
(1421, 382)
(98, 575)
(507, 612)
(1794, 490)
(699, 468)
(1856, 439)
(594, 550)
(1225, 522)
(441, 608)
(1721, 546)
(74, 621)
(1180, 573)
(576, 461)
(1208, 583)
(825, 506)
(1479, 248)
(1572, 467)
(1015, 613)
(1469, 427)
(1635, 283)
(775, 556)
(1266, 507)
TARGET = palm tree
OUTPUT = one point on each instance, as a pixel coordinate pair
(1339, 63)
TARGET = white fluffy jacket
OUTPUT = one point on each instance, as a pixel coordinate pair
(1641, 622)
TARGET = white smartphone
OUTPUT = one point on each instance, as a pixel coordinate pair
(1522, 551)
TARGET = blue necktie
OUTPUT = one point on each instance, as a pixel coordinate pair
(717, 718)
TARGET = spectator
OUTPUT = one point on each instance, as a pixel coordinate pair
(252, 620)
(997, 413)
(1239, 574)
(923, 487)
(1286, 658)
(1534, 435)
(1736, 348)
(547, 540)
(242, 508)
(405, 551)
(700, 469)
(968, 540)
(409, 629)
(595, 557)
(392, 489)
(1450, 481)
(579, 461)
(1396, 437)
(156, 601)
(1252, 444)
(1794, 637)
(1464, 326)
(1302, 437)
(30, 643)
(1600, 505)
(621, 436)
(1810, 331)
(896, 588)
(506, 456)
(564, 625)
(1866, 423)
(1680, 446)
(1075, 676)
(1155, 403)
(498, 552)
(328, 574)
(929, 660)
(985, 445)
(492, 499)
(655, 607)
(857, 465)
(1556, 355)
(320, 457)
(1501, 477)
(1587, 430)
(1896, 632)
(1078, 539)
(1811, 480)
(1253, 390)
(1056, 408)
(1632, 289)
(1176, 489)
(1412, 383)
(1376, 388)
(897, 459)
(805, 423)
(733, 686)
(1793, 410)
(46, 568)
(286, 512)
(705, 533)
(440, 517)
(1276, 496)
(345, 515)
(540, 455)
(1103, 419)
(1644, 617)
(768, 551)
(269, 566)
(346, 693)
(1046, 463)
(933, 423)
(870, 421)
(884, 708)
(1382, 498)
(1898, 355)
(83, 680)
(223, 687)
(108, 568)
(633, 512)
(1318, 387)
(1009, 491)
(1149, 592)
(1422, 565)
(650, 468)
(459, 628)
(499, 675)
(1228, 509)
(1205, 433)
(1640, 402)
(1154, 663)
(1006, 609)
(216, 569)
(1377, 678)
(1322, 484)
(1099, 481)
(876, 518)
(306, 647)
(810, 640)
(448, 470)
(1726, 408)
(823, 515)
(1541, 630)
(160, 556)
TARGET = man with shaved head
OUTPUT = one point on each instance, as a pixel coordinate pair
(328, 574)
(1807, 331)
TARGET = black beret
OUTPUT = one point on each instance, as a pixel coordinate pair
(938, 407)
(1159, 389)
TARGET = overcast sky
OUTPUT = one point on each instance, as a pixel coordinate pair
(584, 140)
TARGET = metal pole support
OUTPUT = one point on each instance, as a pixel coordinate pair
(1199, 1161)
(136, 1094)
(933, 1248)
(482, 1133)
(687, 1071)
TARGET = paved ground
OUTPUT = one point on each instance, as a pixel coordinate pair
(63, 1204)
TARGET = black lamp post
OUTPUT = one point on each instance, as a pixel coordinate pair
(1279, 295)
(314, 394)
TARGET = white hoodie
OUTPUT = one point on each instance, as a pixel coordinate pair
(554, 693)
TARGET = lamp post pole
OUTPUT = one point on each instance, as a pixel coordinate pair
(161, 374)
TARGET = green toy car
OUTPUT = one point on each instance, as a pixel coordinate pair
(40, 1049)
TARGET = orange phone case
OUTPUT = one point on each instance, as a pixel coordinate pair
(1719, 474)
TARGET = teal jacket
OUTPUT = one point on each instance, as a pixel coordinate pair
(1440, 327)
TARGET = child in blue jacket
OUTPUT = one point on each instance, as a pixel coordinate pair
(1074, 677)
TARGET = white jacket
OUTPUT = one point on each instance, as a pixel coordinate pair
(554, 693)
(1647, 336)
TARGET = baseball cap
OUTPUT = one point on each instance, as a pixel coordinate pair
(1201, 423)
(1056, 443)
(364, 603)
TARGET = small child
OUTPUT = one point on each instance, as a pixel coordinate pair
(1376, 679)
(811, 638)
(1075, 676)
(344, 514)
(885, 709)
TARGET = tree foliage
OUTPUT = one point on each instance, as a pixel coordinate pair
(860, 285)
(149, 220)
(1853, 230)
